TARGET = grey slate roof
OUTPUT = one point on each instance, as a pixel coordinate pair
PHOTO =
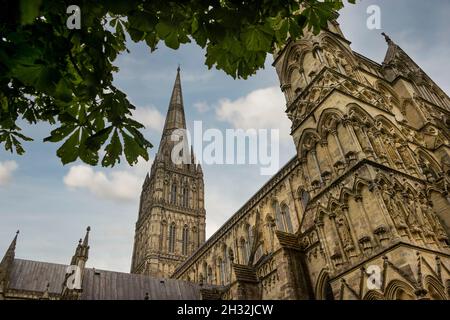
(110, 285)
(33, 276)
(27, 275)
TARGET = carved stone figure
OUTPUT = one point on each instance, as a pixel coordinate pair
(344, 230)
(393, 208)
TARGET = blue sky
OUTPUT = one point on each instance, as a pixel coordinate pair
(52, 204)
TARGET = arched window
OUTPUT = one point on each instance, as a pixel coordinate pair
(210, 275)
(185, 197)
(226, 263)
(286, 217)
(172, 234)
(204, 274)
(251, 237)
(283, 218)
(221, 271)
(304, 198)
(163, 238)
(173, 194)
(244, 248)
(278, 216)
(185, 240)
(258, 253)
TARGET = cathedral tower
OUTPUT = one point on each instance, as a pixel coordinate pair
(171, 222)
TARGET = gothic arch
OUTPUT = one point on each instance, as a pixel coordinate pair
(399, 290)
(323, 290)
(287, 218)
(382, 87)
(307, 142)
(373, 295)
(359, 184)
(329, 120)
(358, 114)
(382, 179)
(435, 289)
(185, 240)
(329, 42)
(389, 128)
(409, 189)
(429, 165)
(333, 204)
(304, 197)
(397, 185)
(320, 214)
(245, 250)
(345, 194)
(292, 56)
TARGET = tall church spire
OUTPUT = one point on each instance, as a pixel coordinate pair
(171, 220)
(175, 118)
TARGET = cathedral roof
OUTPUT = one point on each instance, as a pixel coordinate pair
(110, 285)
(34, 276)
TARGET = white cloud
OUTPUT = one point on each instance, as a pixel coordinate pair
(260, 109)
(201, 106)
(119, 185)
(6, 170)
(150, 117)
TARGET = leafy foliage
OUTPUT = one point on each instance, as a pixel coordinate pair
(49, 73)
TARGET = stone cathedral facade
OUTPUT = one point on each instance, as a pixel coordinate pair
(361, 212)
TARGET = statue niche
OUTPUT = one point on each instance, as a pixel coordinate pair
(390, 199)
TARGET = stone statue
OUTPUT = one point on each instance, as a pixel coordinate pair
(344, 231)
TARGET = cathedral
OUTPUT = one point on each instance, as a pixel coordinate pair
(362, 212)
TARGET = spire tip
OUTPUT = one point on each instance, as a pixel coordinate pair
(386, 37)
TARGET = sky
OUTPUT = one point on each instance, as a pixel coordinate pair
(53, 204)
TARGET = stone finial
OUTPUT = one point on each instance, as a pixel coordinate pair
(386, 37)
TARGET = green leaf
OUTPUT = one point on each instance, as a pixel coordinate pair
(113, 151)
(95, 141)
(152, 40)
(169, 34)
(68, 152)
(172, 41)
(63, 91)
(142, 21)
(132, 149)
(257, 38)
(21, 136)
(19, 149)
(164, 29)
(4, 102)
(85, 153)
(60, 133)
(194, 25)
(29, 10)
